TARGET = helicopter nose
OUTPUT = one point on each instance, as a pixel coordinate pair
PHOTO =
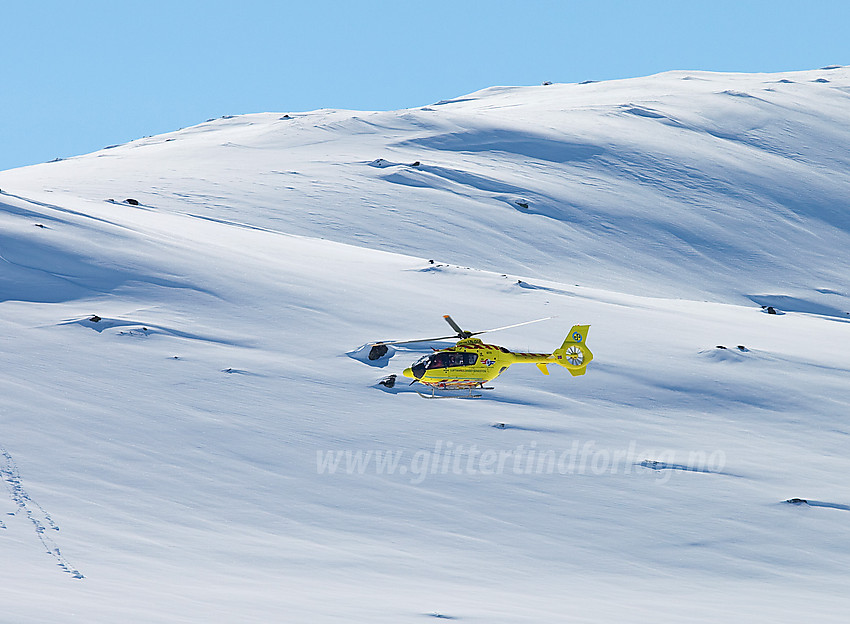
(414, 372)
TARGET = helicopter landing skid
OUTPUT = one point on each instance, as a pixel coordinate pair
(469, 394)
(443, 396)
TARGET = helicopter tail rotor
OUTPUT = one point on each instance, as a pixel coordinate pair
(574, 354)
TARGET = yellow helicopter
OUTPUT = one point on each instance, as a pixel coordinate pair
(471, 363)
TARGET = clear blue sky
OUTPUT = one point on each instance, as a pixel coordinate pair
(77, 76)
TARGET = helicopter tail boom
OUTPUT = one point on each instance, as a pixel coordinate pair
(574, 354)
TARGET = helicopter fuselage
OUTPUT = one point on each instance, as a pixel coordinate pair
(471, 363)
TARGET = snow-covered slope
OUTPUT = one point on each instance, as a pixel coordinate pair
(192, 455)
(678, 184)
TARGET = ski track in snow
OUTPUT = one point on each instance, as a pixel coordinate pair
(35, 513)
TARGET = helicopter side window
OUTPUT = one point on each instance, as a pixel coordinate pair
(438, 360)
(452, 359)
(468, 359)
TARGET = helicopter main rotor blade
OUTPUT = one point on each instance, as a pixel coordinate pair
(460, 333)
(399, 342)
(456, 327)
(484, 331)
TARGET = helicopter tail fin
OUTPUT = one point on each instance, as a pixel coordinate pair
(574, 354)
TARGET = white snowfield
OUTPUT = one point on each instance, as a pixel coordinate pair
(185, 438)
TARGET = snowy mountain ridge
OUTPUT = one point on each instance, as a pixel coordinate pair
(684, 170)
(177, 387)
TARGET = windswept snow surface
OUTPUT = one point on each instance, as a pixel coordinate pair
(185, 439)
